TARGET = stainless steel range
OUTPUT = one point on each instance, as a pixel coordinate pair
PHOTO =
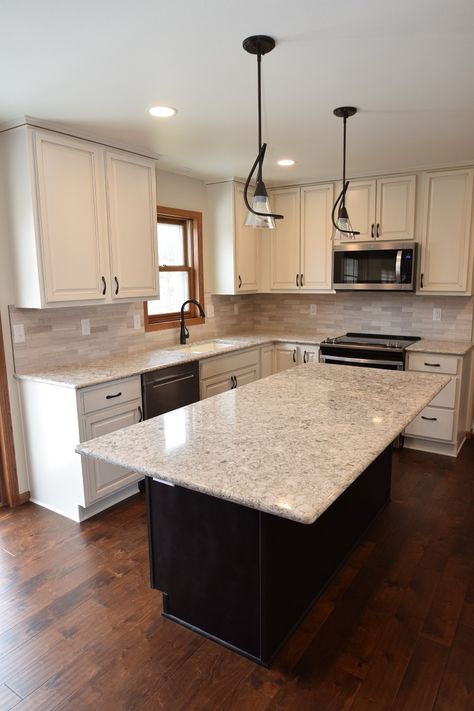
(367, 350)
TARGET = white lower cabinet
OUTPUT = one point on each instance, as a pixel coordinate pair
(441, 426)
(56, 419)
(287, 355)
(267, 358)
(227, 372)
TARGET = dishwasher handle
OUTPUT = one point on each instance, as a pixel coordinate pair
(159, 382)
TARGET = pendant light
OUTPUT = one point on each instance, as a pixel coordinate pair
(259, 213)
(343, 225)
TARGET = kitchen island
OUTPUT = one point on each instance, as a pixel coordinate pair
(256, 496)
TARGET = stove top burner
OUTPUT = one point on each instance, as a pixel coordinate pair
(373, 340)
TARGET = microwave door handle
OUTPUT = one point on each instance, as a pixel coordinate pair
(398, 267)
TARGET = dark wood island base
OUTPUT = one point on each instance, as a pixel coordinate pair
(246, 578)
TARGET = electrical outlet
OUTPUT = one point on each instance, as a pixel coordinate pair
(313, 309)
(19, 333)
(436, 314)
(209, 311)
(137, 322)
(85, 326)
(236, 309)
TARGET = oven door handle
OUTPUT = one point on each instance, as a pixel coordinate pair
(398, 267)
(371, 361)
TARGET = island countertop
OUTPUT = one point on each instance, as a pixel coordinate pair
(288, 445)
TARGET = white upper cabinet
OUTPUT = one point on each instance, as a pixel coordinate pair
(446, 260)
(301, 245)
(285, 239)
(82, 220)
(316, 231)
(131, 210)
(236, 251)
(382, 209)
(70, 218)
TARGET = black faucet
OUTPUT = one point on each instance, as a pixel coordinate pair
(183, 331)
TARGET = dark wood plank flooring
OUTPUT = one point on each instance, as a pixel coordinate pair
(81, 629)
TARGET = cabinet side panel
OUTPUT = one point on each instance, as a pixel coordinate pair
(18, 217)
(51, 433)
(221, 229)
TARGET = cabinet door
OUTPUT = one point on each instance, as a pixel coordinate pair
(395, 214)
(286, 356)
(71, 218)
(214, 386)
(316, 236)
(246, 375)
(285, 239)
(266, 361)
(308, 354)
(102, 479)
(360, 203)
(246, 247)
(131, 205)
(447, 204)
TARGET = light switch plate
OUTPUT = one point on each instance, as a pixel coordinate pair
(436, 314)
(19, 333)
(137, 322)
(85, 326)
(313, 309)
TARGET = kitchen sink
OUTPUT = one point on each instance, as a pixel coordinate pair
(209, 347)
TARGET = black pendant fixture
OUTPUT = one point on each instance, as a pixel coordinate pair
(259, 213)
(343, 224)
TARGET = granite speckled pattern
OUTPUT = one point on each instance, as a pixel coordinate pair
(289, 444)
(117, 367)
(442, 347)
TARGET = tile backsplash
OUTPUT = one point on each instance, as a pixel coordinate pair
(53, 336)
(401, 314)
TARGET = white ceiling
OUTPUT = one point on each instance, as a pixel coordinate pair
(406, 64)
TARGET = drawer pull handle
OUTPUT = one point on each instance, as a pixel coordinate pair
(140, 414)
(433, 365)
(240, 282)
(294, 355)
(301, 280)
(104, 284)
(233, 382)
(421, 280)
(117, 286)
(372, 231)
(297, 280)
(430, 419)
(236, 381)
(305, 357)
(110, 397)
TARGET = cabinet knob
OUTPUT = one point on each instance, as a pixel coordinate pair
(117, 286)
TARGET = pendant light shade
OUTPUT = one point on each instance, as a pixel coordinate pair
(343, 224)
(259, 212)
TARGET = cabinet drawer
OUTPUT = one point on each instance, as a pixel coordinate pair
(433, 423)
(114, 393)
(228, 363)
(433, 363)
(447, 396)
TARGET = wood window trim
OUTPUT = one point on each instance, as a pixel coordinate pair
(9, 479)
(197, 270)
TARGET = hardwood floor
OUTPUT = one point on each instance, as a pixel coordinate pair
(81, 629)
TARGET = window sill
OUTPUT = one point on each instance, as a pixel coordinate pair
(162, 325)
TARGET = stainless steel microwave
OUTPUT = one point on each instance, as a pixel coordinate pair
(375, 266)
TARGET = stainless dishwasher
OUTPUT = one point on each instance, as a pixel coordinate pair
(169, 388)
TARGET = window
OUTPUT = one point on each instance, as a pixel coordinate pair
(179, 235)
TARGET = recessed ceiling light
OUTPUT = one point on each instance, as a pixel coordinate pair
(286, 161)
(163, 111)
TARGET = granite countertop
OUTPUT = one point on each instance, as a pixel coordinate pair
(442, 347)
(124, 366)
(315, 429)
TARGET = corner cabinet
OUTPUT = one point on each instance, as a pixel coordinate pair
(301, 243)
(82, 222)
(236, 251)
(382, 209)
(446, 253)
(228, 372)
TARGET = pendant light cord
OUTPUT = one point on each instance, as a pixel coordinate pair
(345, 184)
(259, 104)
(344, 188)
